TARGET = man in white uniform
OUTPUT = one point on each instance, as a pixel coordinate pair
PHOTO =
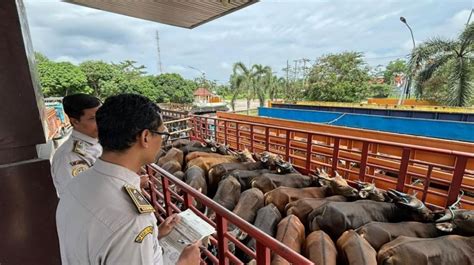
(81, 150)
(102, 217)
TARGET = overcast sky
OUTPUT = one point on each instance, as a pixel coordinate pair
(268, 32)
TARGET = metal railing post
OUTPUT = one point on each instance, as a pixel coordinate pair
(222, 241)
(363, 160)
(455, 187)
(402, 174)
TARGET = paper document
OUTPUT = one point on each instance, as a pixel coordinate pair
(190, 229)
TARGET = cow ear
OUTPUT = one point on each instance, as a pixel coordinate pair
(213, 149)
(445, 227)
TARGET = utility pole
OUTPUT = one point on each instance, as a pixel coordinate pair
(158, 50)
(287, 70)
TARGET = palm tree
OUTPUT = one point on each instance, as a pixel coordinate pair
(455, 56)
(262, 79)
(243, 81)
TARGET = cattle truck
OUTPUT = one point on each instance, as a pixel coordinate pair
(29, 201)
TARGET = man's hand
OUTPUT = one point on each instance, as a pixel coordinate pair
(191, 255)
(165, 228)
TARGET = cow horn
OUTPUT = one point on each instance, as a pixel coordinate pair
(213, 149)
(449, 215)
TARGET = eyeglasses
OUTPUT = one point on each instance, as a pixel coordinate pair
(164, 135)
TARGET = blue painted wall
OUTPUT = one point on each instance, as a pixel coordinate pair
(460, 131)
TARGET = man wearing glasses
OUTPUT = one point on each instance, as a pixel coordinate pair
(102, 217)
(81, 150)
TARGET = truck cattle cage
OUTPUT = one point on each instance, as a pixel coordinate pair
(389, 165)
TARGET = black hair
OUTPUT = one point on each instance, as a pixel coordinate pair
(74, 105)
(123, 117)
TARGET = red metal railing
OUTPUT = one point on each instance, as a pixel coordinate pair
(355, 158)
(164, 197)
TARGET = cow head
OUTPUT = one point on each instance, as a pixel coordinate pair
(461, 220)
(369, 191)
(245, 156)
(276, 162)
(412, 203)
(216, 147)
(338, 185)
(283, 167)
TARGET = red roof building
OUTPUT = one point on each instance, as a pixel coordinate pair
(202, 95)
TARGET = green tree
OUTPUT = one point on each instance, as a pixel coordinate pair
(394, 68)
(263, 77)
(435, 53)
(275, 86)
(379, 90)
(243, 81)
(339, 77)
(100, 74)
(60, 78)
(172, 87)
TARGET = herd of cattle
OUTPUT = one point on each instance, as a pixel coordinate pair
(321, 217)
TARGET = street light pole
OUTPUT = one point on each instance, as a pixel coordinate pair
(406, 90)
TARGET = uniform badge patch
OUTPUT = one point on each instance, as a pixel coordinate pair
(147, 230)
(142, 204)
(78, 166)
(79, 148)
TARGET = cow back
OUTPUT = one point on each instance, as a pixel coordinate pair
(355, 250)
(320, 249)
(452, 249)
(173, 154)
(291, 233)
(378, 233)
(302, 207)
(281, 196)
(336, 217)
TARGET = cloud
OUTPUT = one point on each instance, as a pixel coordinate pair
(268, 32)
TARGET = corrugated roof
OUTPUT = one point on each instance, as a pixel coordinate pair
(180, 13)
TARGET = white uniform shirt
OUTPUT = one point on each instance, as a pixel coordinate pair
(98, 223)
(75, 155)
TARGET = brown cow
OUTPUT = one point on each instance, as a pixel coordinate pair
(245, 177)
(207, 162)
(250, 202)
(338, 185)
(291, 233)
(301, 208)
(269, 181)
(281, 196)
(173, 154)
(355, 250)
(378, 233)
(227, 195)
(267, 219)
(320, 249)
(172, 166)
(450, 249)
(336, 217)
(217, 172)
(179, 174)
(195, 177)
(197, 154)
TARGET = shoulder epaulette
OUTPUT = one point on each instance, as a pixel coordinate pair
(79, 148)
(142, 204)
